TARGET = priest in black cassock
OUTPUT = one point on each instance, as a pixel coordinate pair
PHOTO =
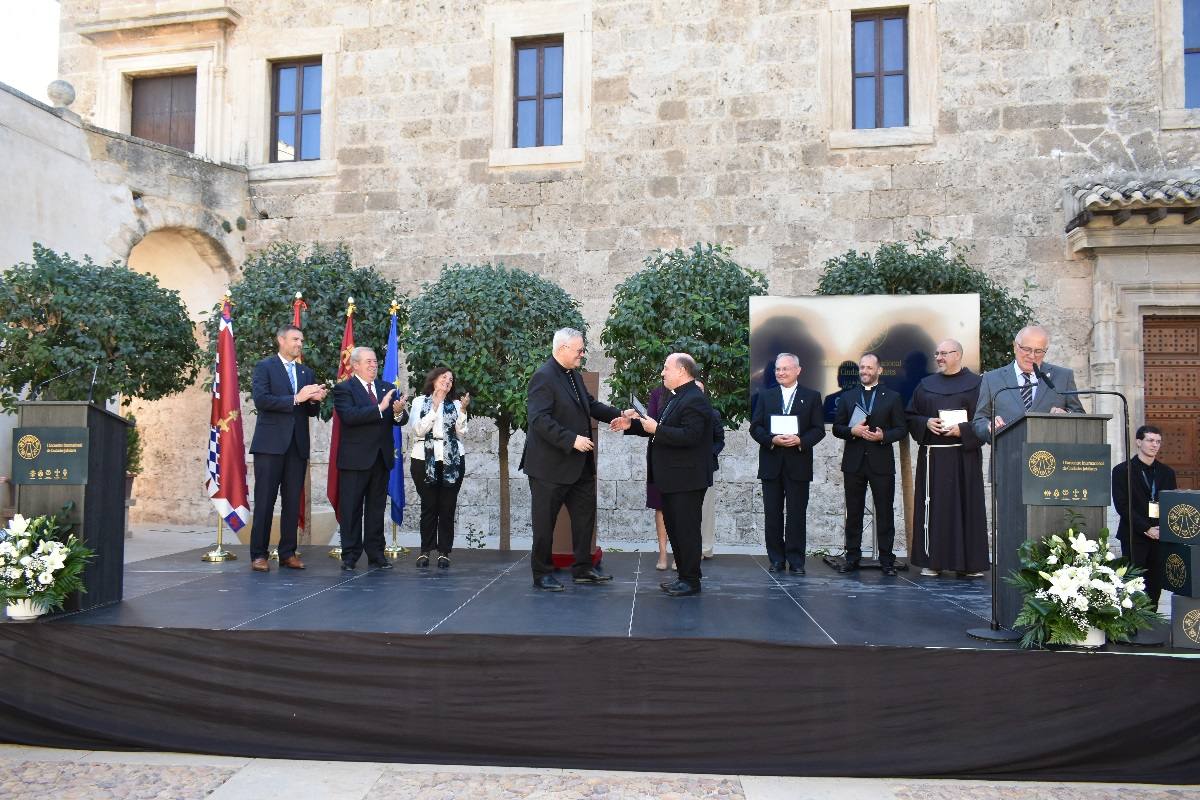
(949, 521)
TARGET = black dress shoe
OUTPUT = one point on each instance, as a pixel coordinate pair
(667, 584)
(443, 561)
(547, 582)
(385, 564)
(423, 560)
(888, 570)
(681, 589)
(591, 575)
(848, 566)
(347, 567)
(797, 570)
(777, 566)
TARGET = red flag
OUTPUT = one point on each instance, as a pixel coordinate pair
(299, 305)
(331, 487)
(226, 481)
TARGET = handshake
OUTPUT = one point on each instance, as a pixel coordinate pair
(622, 423)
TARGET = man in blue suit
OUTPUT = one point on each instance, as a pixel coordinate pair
(285, 396)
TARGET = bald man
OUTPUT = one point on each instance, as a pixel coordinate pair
(1030, 392)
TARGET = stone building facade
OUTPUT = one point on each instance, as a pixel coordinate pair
(686, 120)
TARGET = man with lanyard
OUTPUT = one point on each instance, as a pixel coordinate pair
(785, 460)
(870, 418)
(1150, 478)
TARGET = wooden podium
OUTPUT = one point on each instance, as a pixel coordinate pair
(99, 503)
(1016, 521)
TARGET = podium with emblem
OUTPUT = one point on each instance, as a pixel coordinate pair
(1044, 464)
(68, 453)
(1179, 539)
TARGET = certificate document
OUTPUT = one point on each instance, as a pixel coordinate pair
(637, 405)
(955, 416)
(858, 417)
(784, 424)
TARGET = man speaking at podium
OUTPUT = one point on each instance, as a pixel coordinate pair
(1043, 388)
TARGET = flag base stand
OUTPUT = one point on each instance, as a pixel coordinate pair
(395, 549)
(335, 552)
(274, 554)
(219, 553)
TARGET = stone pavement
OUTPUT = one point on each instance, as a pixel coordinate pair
(88, 775)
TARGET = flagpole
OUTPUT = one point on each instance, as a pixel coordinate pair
(219, 553)
(344, 360)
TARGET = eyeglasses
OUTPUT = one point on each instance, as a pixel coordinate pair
(943, 353)
(1029, 351)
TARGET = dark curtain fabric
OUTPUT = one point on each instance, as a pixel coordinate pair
(691, 705)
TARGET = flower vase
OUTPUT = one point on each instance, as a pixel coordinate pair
(22, 609)
(1093, 639)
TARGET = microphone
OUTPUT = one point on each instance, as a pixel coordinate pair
(92, 387)
(38, 388)
(1043, 377)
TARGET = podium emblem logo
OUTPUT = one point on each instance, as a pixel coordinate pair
(1042, 464)
(1191, 625)
(28, 447)
(1184, 521)
(1176, 571)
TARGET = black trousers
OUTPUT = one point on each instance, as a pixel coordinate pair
(277, 476)
(361, 503)
(1148, 556)
(883, 489)
(546, 499)
(438, 504)
(786, 541)
(682, 514)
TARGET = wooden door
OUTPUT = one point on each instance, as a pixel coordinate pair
(164, 109)
(1172, 353)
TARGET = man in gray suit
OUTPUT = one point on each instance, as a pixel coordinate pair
(1037, 386)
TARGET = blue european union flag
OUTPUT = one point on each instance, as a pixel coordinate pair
(391, 370)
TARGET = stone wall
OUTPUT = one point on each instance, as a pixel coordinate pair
(708, 120)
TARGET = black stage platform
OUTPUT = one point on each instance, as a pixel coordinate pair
(860, 675)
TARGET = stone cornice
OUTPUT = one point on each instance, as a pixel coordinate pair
(119, 29)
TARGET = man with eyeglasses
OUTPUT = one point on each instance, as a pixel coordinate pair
(1041, 387)
(949, 521)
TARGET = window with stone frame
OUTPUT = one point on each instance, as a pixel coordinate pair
(296, 110)
(538, 92)
(879, 58)
(1191, 53)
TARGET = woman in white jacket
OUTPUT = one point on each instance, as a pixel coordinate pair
(438, 423)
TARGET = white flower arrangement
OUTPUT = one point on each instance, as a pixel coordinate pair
(1070, 587)
(40, 561)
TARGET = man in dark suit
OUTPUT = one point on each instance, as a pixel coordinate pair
(681, 465)
(785, 461)
(870, 418)
(1039, 386)
(1150, 477)
(285, 396)
(366, 453)
(559, 459)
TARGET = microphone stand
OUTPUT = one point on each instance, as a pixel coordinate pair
(995, 632)
(1140, 639)
(34, 394)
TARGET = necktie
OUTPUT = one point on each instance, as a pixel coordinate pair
(1027, 391)
(371, 392)
(291, 370)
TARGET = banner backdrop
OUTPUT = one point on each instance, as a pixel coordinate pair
(829, 333)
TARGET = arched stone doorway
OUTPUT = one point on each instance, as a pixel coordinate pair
(175, 429)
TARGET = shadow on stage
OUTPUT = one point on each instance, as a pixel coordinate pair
(860, 675)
